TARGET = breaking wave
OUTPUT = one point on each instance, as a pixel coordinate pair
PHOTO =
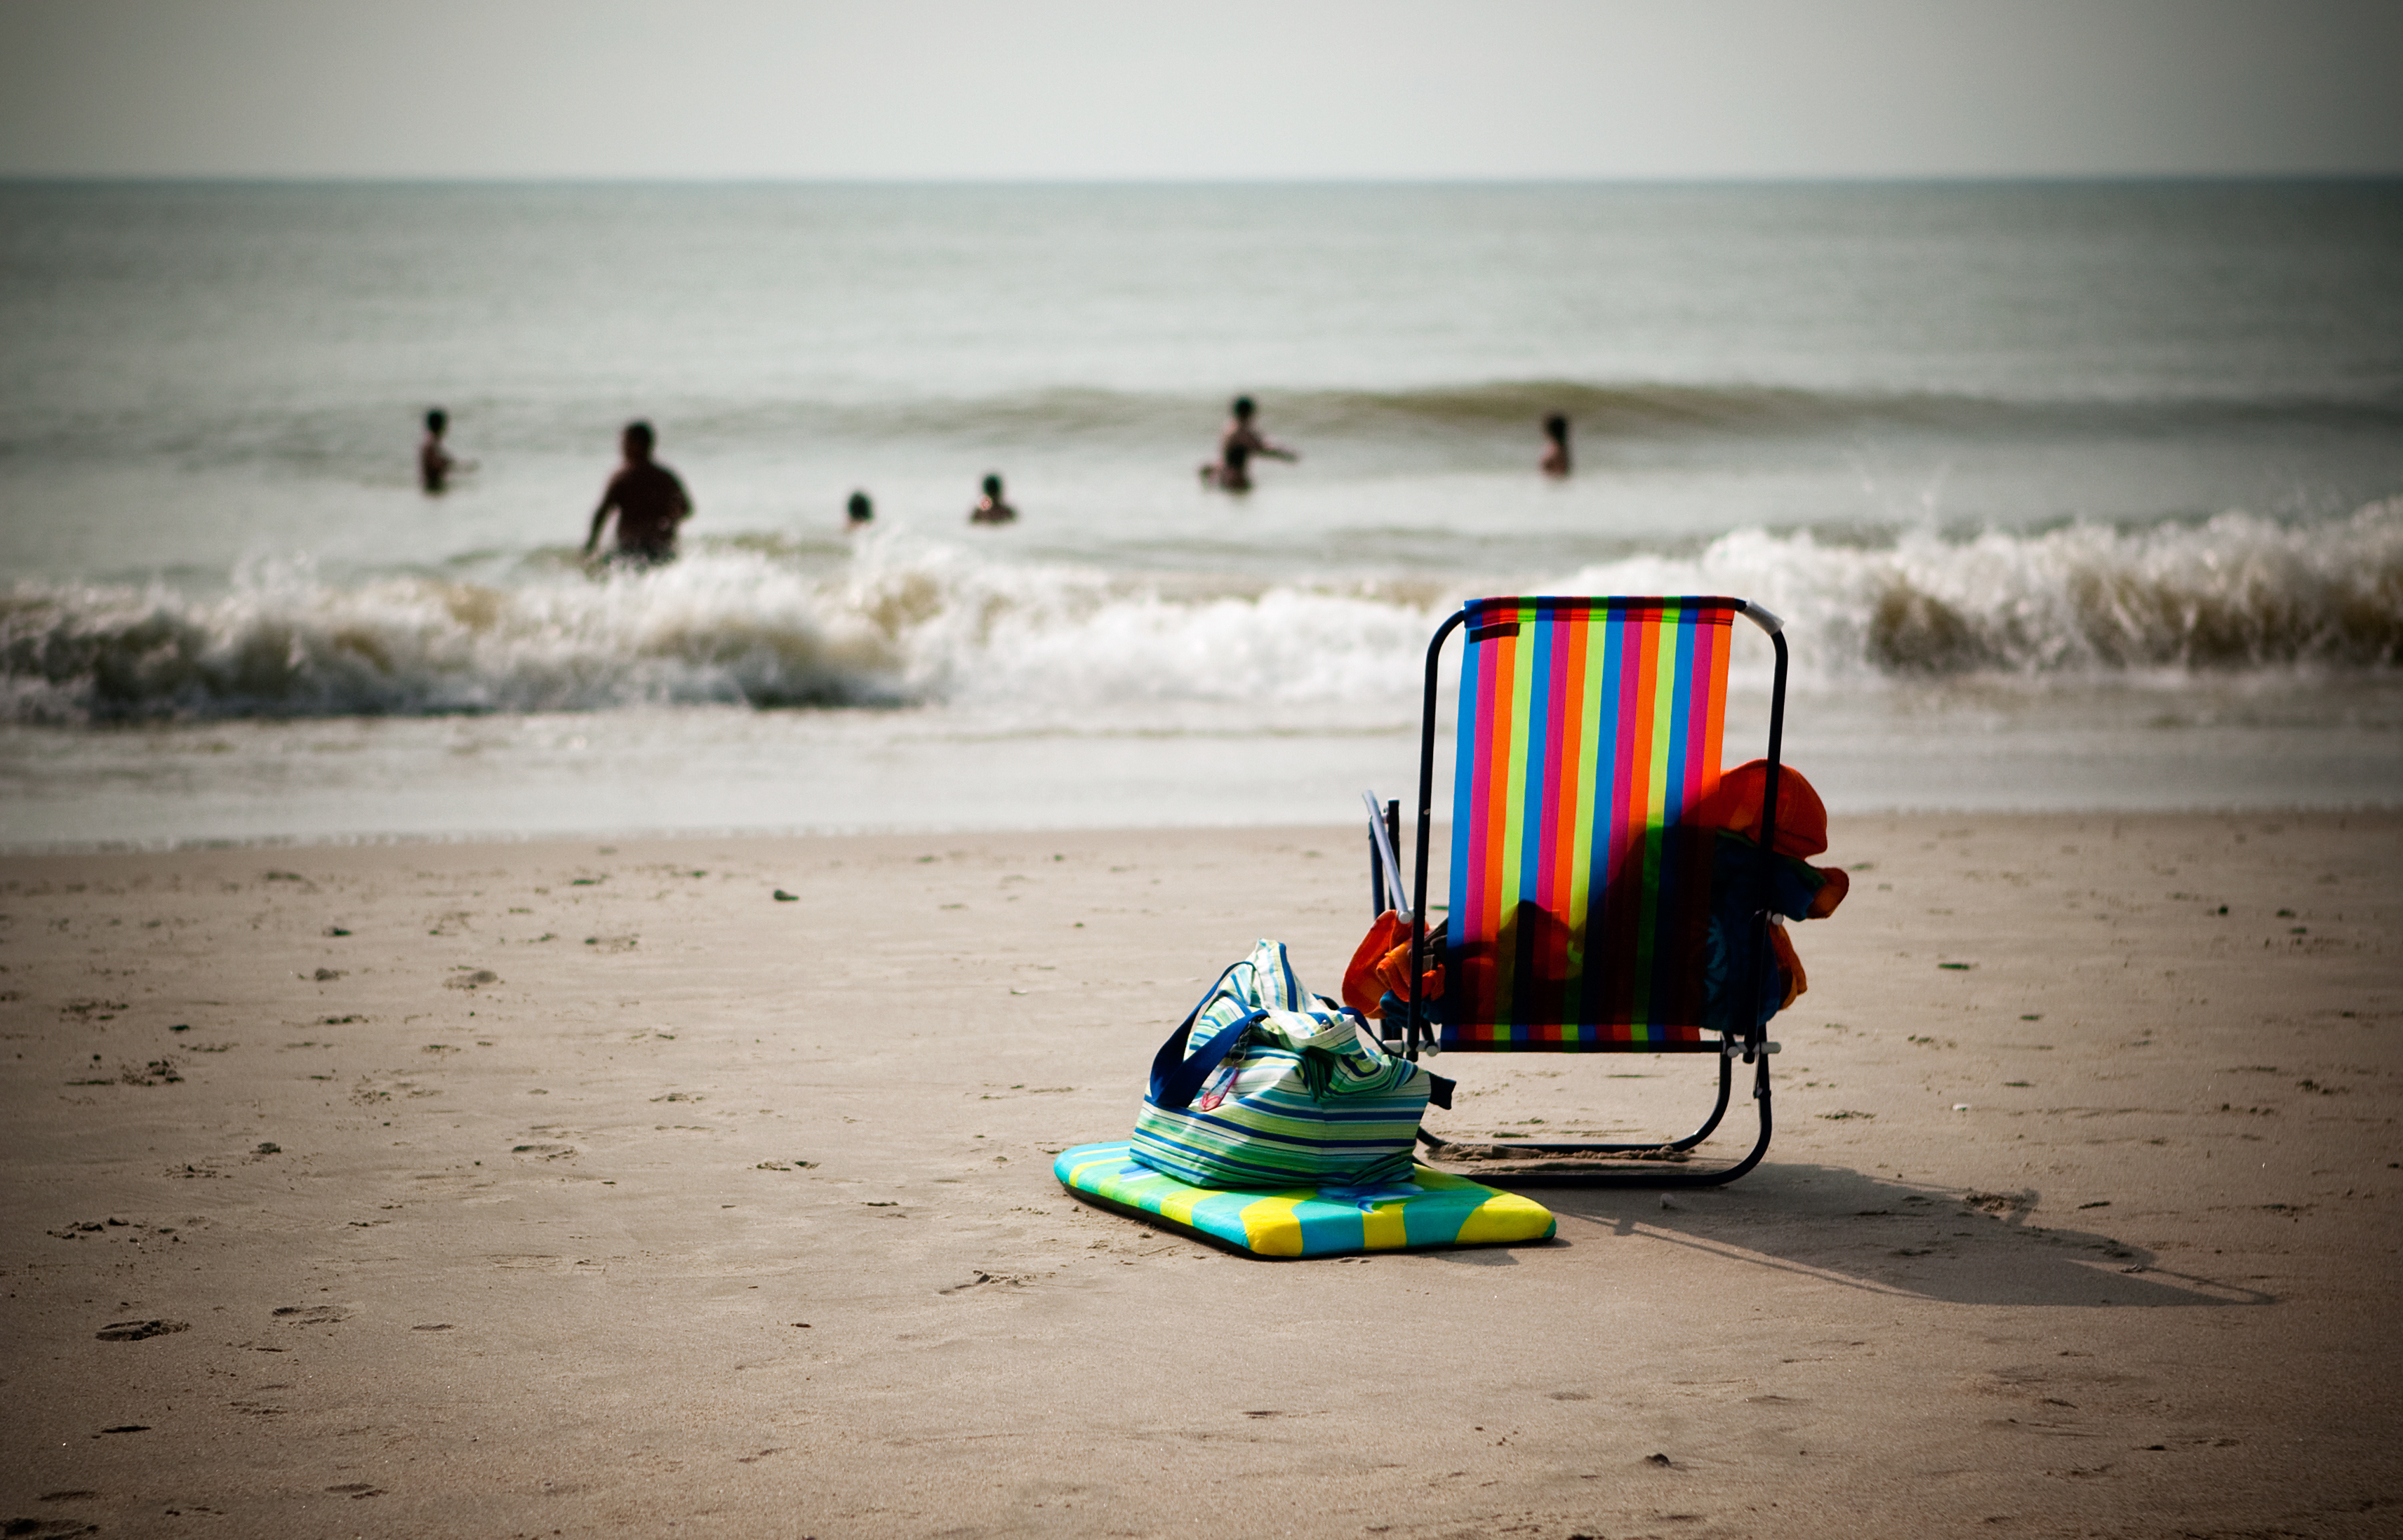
(2235, 594)
(899, 625)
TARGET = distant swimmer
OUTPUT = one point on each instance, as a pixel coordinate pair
(859, 513)
(990, 508)
(435, 464)
(1556, 447)
(648, 500)
(1237, 443)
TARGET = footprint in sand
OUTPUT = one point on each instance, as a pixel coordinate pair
(311, 1315)
(136, 1331)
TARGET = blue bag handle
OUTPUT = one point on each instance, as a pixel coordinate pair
(1176, 1080)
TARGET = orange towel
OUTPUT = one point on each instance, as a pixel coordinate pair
(1382, 962)
(1734, 805)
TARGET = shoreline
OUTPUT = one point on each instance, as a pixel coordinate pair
(2091, 1234)
(737, 774)
(1324, 833)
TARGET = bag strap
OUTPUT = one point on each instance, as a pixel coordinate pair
(1176, 1080)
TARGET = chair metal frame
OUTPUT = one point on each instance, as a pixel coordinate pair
(1752, 1044)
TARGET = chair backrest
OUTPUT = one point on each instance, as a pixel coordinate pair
(1588, 729)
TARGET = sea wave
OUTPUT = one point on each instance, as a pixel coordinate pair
(337, 439)
(1625, 410)
(900, 624)
(2233, 594)
(1638, 411)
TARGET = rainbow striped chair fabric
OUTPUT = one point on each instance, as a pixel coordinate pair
(1582, 895)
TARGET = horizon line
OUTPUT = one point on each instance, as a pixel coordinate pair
(1861, 179)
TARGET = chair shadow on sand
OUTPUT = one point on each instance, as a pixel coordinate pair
(1887, 1237)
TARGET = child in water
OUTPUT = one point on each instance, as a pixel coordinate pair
(436, 463)
(990, 508)
(1556, 445)
(1237, 443)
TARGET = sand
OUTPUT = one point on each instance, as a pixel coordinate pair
(524, 1189)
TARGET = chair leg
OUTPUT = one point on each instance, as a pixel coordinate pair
(1649, 1174)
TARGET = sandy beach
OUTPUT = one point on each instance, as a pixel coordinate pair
(573, 1189)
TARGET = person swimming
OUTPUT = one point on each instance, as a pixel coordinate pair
(434, 462)
(990, 508)
(648, 500)
(1237, 443)
(1556, 445)
(859, 513)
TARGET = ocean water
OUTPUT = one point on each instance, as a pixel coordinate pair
(2074, 497)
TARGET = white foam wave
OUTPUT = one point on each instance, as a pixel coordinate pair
(284, 644)
(2235, 593)
(898, 623)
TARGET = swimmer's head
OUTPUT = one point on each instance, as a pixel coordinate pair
(637, 441)
(1556, 429)
(860, 508)
(1244, 408)
(992, 486)
(436, 421)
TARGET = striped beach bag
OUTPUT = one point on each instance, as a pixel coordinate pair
(1267, 1086)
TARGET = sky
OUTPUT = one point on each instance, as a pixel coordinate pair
(1170, 90)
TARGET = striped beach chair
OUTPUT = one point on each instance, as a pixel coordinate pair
(1588, 732)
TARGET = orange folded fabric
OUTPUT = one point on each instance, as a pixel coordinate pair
(1382, 962)
(1734, 805)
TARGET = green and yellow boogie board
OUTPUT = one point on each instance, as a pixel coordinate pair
(1432, 1209)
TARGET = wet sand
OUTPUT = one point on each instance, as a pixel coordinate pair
(583, 1188)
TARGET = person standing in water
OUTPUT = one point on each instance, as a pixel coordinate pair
(858, 513)
(434, 462)
(1237, 443)
(648, 500)
(990, 508)
(1556, 446)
